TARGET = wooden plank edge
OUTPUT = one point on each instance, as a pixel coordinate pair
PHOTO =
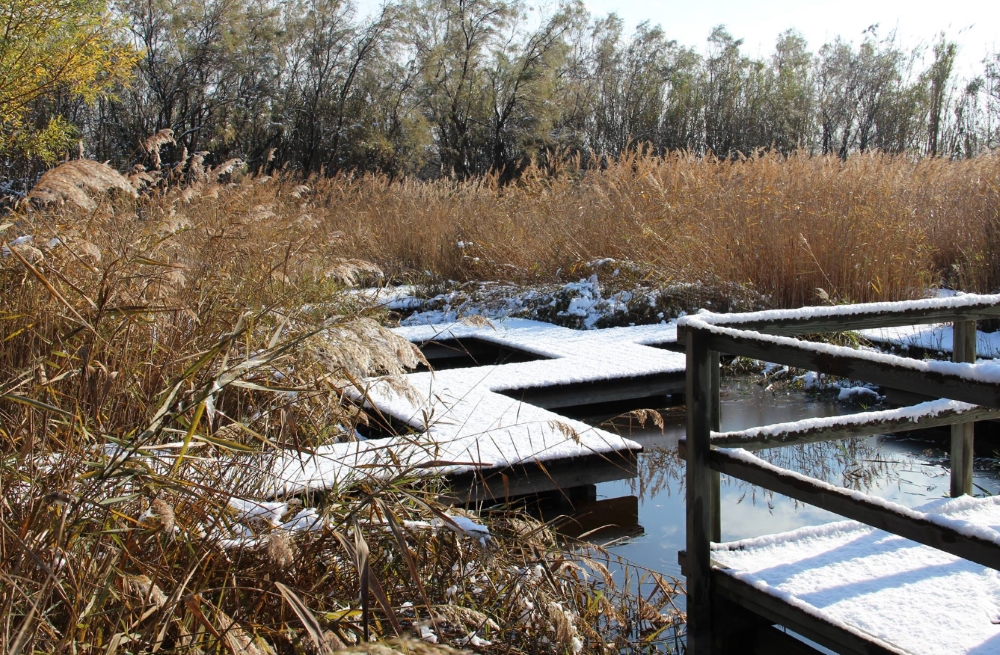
(777, 611)
(771, 639)
(592, 392)
(811, 626)
(845, 430)
(498, 484)
(903, 522)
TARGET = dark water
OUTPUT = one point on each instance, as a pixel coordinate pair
(648, 510)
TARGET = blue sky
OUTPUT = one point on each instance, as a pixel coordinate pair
(974, 24)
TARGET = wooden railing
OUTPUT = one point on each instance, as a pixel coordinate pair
(768, 336)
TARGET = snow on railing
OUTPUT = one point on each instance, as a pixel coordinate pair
(967, 391)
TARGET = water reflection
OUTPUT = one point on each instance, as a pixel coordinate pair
(902, 469)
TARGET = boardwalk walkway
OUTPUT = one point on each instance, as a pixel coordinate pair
(882, 592)
(890, 580)
(488, 418)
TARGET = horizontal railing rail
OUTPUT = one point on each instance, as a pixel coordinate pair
(932, 414)
(814, 320)
(972, 390)
(978, 545)
(971, 383)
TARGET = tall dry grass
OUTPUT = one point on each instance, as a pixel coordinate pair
(798, 230)
(156, 355)
(208, 319)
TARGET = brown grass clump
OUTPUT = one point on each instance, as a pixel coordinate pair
(793, 230)
(79, 184)
(156, 357)
(159, 353)
(156, 141)
(796, 230)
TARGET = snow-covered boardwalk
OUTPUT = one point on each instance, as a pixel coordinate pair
(930, 338)
(896, 594)
(890, 580)
(472, 420)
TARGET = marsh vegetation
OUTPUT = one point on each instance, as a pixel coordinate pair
(167, 334)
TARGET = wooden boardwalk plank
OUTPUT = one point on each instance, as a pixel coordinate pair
(916, 526)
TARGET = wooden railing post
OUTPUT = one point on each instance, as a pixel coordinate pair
(963, 350)
(715, 423)
(699, 501)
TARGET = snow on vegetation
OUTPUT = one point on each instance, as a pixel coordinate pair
(608, 296)
(151, 436)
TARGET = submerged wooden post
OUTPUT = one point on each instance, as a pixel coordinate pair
(700, 499)
(716, 420)
(963, 350)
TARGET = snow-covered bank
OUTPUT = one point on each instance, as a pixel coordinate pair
(599, 300)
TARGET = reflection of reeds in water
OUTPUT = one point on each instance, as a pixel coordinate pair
(647, 619)
(661, 471)
(856, 464)
(852, 463)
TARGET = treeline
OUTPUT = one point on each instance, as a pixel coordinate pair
(467, 87)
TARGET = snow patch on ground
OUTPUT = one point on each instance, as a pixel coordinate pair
(254, 520)
(858, 394)
(576, 304)
(623, 299)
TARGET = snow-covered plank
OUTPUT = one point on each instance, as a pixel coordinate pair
(804, 620)
(546, 339)
(931, 414)
(977, 383)
(468, 420)
(805, 320)
(887, 590)
(970, 541)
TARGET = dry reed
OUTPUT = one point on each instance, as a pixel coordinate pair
(797, 230)
(155, 356)
(124, 325)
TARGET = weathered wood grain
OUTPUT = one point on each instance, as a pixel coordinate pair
(699, 498)
(963, 350)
